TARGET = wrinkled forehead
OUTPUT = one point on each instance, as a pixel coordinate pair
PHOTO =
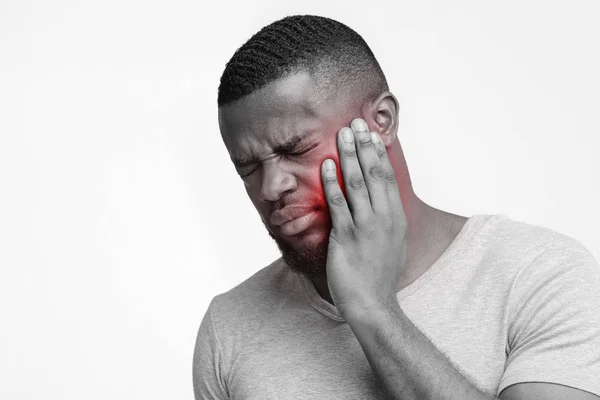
(288, 103)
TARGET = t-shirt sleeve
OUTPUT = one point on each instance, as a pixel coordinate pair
(554, 320)
(208, 372)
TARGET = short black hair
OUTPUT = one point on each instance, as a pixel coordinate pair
(325, 48)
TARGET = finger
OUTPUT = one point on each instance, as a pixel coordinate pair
(356, 189)
(338, 208)
(371, 166)
(393, 193)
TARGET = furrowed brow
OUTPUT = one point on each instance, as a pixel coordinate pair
(289, 145)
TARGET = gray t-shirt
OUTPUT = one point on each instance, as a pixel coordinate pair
(507, 302)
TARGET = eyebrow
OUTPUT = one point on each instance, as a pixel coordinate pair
(286, 146)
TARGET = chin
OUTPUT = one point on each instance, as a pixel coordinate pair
(306, 253)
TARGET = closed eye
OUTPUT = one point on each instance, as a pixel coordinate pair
(247, 174)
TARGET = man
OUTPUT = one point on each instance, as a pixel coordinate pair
(377, 294)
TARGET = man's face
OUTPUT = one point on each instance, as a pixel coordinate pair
(278, 137)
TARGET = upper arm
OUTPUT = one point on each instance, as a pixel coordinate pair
(546, 391)
(207, 373)
(554, 327)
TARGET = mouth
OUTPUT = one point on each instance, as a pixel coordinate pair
(298, 225)
(292, 220)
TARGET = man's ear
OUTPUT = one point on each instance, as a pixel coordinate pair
(382, 117)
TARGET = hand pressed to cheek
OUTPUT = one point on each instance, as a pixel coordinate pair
(367, 246)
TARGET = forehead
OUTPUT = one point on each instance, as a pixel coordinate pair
(281, 109)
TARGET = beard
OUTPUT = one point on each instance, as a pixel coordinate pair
(308, 258)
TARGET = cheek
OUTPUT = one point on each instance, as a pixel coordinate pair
(253, 191)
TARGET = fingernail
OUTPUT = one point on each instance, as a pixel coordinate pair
(375, 137)
(359, 125)
(348, 135)
(329, 165)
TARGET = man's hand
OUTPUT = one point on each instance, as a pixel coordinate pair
(368, 239)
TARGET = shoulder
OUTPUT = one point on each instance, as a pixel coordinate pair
(553, 320)
(555, 252)
(534, 247)
(557, 285)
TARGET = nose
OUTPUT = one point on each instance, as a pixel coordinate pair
(275, 182)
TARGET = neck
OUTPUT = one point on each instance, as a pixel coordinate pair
(426, 225)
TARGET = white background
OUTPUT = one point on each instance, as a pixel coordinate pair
(121, 215)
